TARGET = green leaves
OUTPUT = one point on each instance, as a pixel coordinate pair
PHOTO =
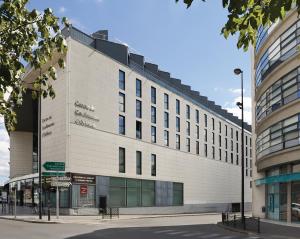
(27, 38)
(245, 17)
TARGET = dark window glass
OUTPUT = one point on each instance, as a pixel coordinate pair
(220, 154)
(138, 89)
(226, 156)
(121, 124)
(226, 143)
(138, 129)
(121, 102)
(213, 123)
(213, 152)
(166, 119)
(138, 162)
(121, 80)
(177, 141)
(237, 160)
(153, 165)
(237, 135)
(205, 120)
(153, 134)
(153, 95)
(220, 127)
(121, 160)
(138, 109)
(188, 145)
(205, 150)
(153, 115)
(231, 132)
(197, 147)
(166, 137)
(237, 148)
(213, 137)
(226, 130)
(177, 124)
(188, 112)
(166, 101)
(231, 158)
(197, 117)
(197, 132)
(220, 141)
(188, 128)
(178, 107)
(205, 135)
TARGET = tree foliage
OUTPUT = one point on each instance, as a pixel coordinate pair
(245, 17)
(27, 37)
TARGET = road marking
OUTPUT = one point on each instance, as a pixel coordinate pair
(163, 231)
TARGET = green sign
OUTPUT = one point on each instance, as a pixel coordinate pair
(54, 166)
(53, 174)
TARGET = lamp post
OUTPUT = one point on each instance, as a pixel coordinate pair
(39, 154)
(238, 71)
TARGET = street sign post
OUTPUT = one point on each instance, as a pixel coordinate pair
(54, 166)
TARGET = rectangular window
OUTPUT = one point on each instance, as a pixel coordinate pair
(231, 132)
(138, 162)
(178, 107)
(121, 80)
(237, 135)
(138, 109)
(188, 128)
(205, 120)
(153, 95)
(237, 148)
(177, 141)
(197, 117)
(188, 112)
(121, 102)
(166, 119)
(226, 156)
(246, 140)
(121, 160)
(213, 123)
(231, 158)
(121, 124)
(197, 147)
(166, 101)
(138, 88)
(197, 132)
(231, 145)
(220, 154)
(220, 127)
(205, 150)
(205, 135)
(153, 165)
(226, 143)
(213, 137)
(138, 129)
(166, 137)
(153, 134)
(177, 124)
(153, 115)
(226, 130)
(237, 160)
(213, 152)
(188, 145)
(220, 141)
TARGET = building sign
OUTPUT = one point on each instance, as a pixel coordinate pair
(83, 189)
(83, 179)
(61, 182)
(47, 125)
(84, 115)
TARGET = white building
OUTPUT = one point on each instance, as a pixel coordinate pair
(130, 134)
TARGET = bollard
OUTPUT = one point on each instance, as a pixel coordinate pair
(49, 210)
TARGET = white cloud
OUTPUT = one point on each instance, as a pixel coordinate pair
(62, 9)
(235, 90)
(75, 22)
(232, 108)
(4, 153)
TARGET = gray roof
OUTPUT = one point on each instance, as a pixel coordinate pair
(120, 52)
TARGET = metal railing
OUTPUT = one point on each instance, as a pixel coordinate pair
(110, 212)
(249, 224)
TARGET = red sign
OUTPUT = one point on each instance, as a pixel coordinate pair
(83, 189)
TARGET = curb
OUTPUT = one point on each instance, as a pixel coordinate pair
(29, 221)
(237, 230)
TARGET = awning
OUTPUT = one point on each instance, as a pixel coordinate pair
(283, 178)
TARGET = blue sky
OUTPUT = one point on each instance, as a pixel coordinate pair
(185, 42)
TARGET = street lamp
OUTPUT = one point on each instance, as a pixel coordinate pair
(238, 71)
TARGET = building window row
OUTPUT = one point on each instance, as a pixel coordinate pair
(122, 162)
(281, 49)
(280, 136)
(282, 92)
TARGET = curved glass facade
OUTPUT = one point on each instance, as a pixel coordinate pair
(262, 35)
(282, 49)
(282, 92)
(282, 135)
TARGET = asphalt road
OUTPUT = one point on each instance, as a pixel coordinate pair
(23, 230)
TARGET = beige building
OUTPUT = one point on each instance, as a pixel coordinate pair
(276, 113)
(130, 135)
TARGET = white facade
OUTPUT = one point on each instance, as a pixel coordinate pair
(87, 92)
